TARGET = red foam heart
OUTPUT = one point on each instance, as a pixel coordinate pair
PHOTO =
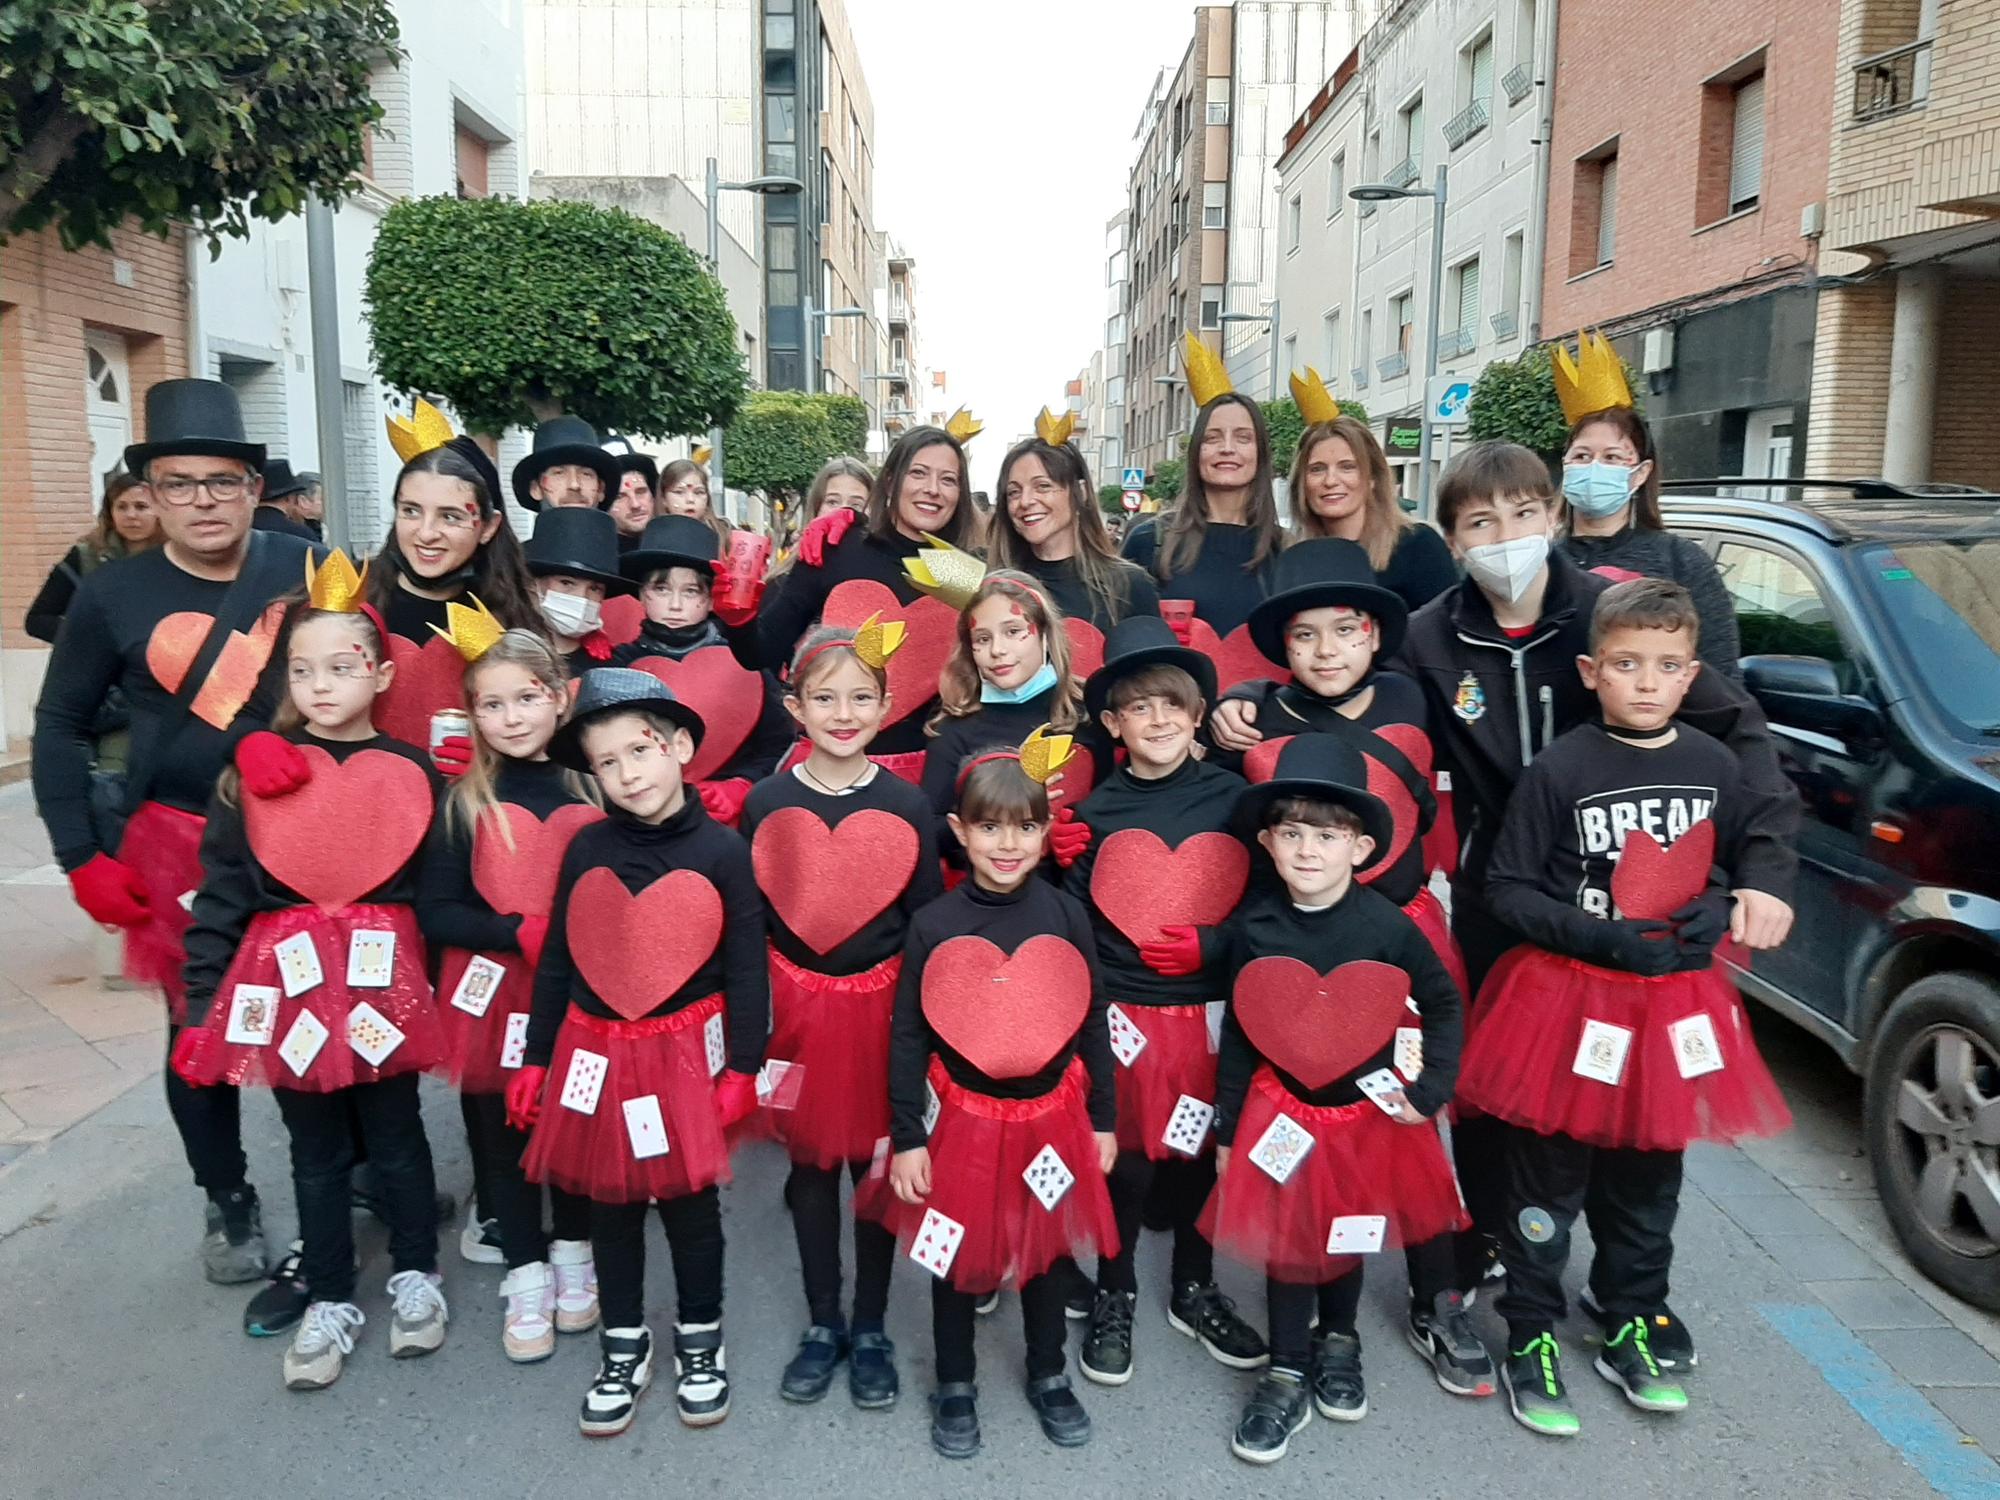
(232, 677)
(1650, 884)
(620, 617)
(931, 629)
(726, 694)
(1143, 886)
(1260, 763)
(1415, 745)
(522, 881)
(1086, 647)
(428, 678)
(1006, 1014)
(1320, 1027)
(347, 831)
(829, 883)
(1235, 655)
(636, 951)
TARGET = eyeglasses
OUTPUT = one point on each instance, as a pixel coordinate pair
(178, 489)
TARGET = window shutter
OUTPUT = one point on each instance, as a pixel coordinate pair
(1482, 72)
(1607, 209)
(1468, 296)
(1746, 152)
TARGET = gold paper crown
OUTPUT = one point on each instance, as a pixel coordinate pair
(1055, 431)
(703, 454)
(1043, 754)
(945, 573)
(472, 631)
(334, 585)
(964, 426)
(1593, 381)
(876, 642)
(1315, 402)
(423, 429)
(1207, 376)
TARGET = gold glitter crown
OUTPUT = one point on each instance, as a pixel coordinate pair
(945, 573)
(334, 585)
(1043, 754)
(1055, 431)
(423, 429)
(1207, 376)
(964, 426)
(471, 631)
(1593, 381)
(876, 642)
(1314, 401)
(703, 454)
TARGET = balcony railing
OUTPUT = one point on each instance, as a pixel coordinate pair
(1890, 82)
(1404, 172)
(1456, 341)
(1360, 374)
(899, 310)
(1466, 124)
(1518, 81)
(1394, 365)
(1505, 325)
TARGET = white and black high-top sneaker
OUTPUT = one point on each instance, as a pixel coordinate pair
(701, 1375)
(623, 1373)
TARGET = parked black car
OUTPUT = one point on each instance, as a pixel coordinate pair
(1870, 617)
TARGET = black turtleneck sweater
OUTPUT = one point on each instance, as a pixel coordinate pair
(449, 905)
(1035, 909)
(773, 733)
(1220, 582)
(639, 854)
(1136, 592)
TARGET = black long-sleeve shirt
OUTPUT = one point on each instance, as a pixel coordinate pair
(1420, 568)
(1003, 726)
(1195, 799)
(1036, 909)
(1220, 582)
(639, 854)
(235, 887)
(1360, 925)
(1064, 581)
(450, 907)
(1662, 554)
(51, 601)
(883, 934)
(770, 737)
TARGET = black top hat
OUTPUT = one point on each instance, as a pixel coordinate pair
(1325, 768)
(630, 461)
(563, 440)
(1138, 642)
(672, 542)
(280, 481)
(1324, 572)
(196, 417)
(581, 543)
(606, 690)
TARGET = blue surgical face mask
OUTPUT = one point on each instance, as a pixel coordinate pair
(1597, 489)
(1041, 682)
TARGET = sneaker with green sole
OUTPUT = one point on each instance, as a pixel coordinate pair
(1627, 1362)
(1535, 1392)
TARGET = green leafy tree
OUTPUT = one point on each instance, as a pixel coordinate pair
(1164, 484)
(1514, 400)
(517, 312)
(780, 439)
(203, 112)
(1111, 499)
(847, 422)
(1288, 426)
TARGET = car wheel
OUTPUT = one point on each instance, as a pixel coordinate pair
(1933, 1130)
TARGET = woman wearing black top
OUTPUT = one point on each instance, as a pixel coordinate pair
(125, 524)
(1342, 486)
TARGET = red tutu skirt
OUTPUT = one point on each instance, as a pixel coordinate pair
(1527, 1033)
(162, 846)
(908, 764)
(980, 1147)
(595, 1155)
(475, 1016)
(1428, 913)
(828, 1061)
(1361, 1164)
(336, 1044)
(1175, 1061)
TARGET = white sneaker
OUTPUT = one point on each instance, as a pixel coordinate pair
(417, 1326)
(321, 1346)
(479, 1240)
(529, 1332)
(623, 1373)
(701, 1374)
(576, 1285)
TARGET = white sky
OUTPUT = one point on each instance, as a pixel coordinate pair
(1003, 133)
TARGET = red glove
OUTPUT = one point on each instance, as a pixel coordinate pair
(271, 765)
(596, 646)
(824, 533)
(524, 1097)
(735, 1097)
(724, 799)
(197, 1059)
(1068, 838)
(453, 755)
(1176, 956)
(110, 892)
(532, 933)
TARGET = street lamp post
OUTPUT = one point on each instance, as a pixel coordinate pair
(716, 187)
(1382, 192)
(1270, 317)
(1168, 380)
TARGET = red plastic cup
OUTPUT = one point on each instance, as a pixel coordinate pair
(748, 552)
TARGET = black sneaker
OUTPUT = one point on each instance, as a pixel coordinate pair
(282, 1302)
(810, 1374)
(1478, 1262)
(1535, 1391)
(1443, 1335)
(1204, 1314)
(955, 1419)
(623, 1373)
(1106, 1356)
(701, 1374)
(1666, 1335)
(872, 1381)
(1628, 1363)
(1337, 1387)
(1278, 1407)
(1064, 1421)
(232, 1243)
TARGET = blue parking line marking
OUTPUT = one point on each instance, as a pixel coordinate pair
(1896, 1409)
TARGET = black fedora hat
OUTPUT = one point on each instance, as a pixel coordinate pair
(672, 542)
(1136, 643)
(563, 440)
(630, 461)
(607, 690)
(280, 481)
(1325, 572)
(581, 543)
(196, 417)
(1325, 768)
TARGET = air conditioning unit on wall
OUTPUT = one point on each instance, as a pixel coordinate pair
(1657, 353)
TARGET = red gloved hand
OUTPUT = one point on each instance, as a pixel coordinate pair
(1068, 838)
(270, 764)
(734, 608)
(453, 755)
(531, 934)
(596, 646)
(197, 1059)
(524, 1097)
(724, 799)
(735, 1097)
(109, 891)
(824, 533)
(1177, 956)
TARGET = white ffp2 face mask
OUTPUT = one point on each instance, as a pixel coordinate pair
(570, 614)
(1507, 568)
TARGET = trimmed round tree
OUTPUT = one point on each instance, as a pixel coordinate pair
(1514, 400)
(780, 439)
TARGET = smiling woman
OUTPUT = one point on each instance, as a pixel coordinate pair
(1342, 486)
(1047, 524)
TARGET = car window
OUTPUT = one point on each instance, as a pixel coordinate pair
(1779, 608)
(1942, 602)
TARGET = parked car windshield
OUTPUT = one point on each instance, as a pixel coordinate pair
(1942, 601)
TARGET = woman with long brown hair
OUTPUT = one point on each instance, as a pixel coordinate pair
(1342, 486)
(125, 524)
(684, 492)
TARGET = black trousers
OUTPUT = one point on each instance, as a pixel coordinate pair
(1182, 1187)
(322, 1131)
(1290, 1304)
(694, 1240)
(210, 1123)
(813, 1196)
(953, 1316)
(1630, 1200)
(504, 1192)
(1478, 1144)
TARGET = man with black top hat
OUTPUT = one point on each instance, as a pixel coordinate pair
(187, 631)
(635, 502)
(566, 467)
(573, 556)
(277, 505)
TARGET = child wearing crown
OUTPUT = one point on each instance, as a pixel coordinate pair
(306, 971)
